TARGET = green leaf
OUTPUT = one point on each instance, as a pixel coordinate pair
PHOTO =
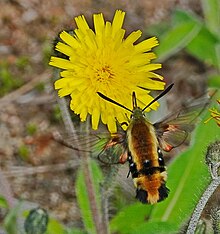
(211, 10)
(82, 194)
(10, 221)
(54, 227)
(217, 51)
(214, 81)
(188, 177)
(203, 47)
(181, 16)
(3, 202)
(155, 227)
(129, 218)
(75, 231)
(176, 39)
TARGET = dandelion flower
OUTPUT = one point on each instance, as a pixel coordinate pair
(103, 60)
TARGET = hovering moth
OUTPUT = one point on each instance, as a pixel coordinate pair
(143, 142)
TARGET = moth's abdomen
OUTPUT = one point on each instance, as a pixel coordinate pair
(145, 195)
(146, 163)
(151, 189)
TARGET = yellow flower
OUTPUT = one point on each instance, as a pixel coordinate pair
(105, 61)
(215, 114)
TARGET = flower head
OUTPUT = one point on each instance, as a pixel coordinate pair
(105, 61)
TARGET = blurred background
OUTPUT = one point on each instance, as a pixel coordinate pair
(33, 166)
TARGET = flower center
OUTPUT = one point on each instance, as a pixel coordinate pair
(104, 74)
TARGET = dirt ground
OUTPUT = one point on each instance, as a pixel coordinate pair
(38, 169)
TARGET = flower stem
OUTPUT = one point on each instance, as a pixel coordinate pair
(213, 162)
(200, 206)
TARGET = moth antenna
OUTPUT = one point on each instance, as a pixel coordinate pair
(112, 101)
(159, 96)
(134, 100)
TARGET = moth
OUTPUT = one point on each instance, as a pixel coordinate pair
(142, 144)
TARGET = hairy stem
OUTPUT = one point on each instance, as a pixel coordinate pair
(213, 162)
(201, 204)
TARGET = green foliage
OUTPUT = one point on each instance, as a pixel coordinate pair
(56, 114)
(155, 227)
(31, 129)
(203, 47)
(3, 202)
(10, 221)
(199, 37)
(23, 152)
(82, 194)
(55, 227)
(176, 39)
(214, 81)
(7, 81)
(75, 231)
(211, 9)
(130, 217)
(22, 62)
(216, 219)
(201, 228)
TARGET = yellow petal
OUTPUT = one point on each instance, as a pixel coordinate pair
(95, 118)
(111, 124)
(146, 45)
(117, 21)
(82, 24)
(133, 37)
(60, 63)
(64, 92)
(83, 114)
(65, 49)
(68, 39)
(99, 23)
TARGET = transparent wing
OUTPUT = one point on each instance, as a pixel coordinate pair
(115, 150)
(82, 141)
(174, 129)
(109, 149)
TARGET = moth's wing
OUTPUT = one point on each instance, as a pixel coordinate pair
(113, 155)
(115, 150)
(174, 129)
(81, 141)
(108, 148)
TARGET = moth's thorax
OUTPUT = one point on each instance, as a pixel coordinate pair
(142, 142)
(137, 114)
